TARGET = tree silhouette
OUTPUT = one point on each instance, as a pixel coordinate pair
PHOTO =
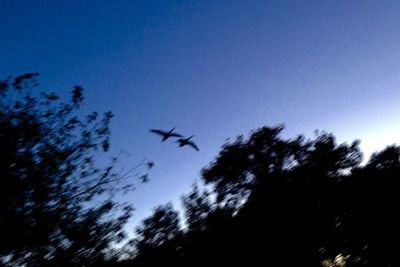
(285, 192)
(279, 201)
(373, 205)
(197, 207)
(284, 202)
(55, 202)
(158, 236)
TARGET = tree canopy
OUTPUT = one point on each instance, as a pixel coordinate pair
(55, 200)
(293, 201)
(273, 200)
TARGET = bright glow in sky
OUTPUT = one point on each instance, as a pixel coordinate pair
(214, 69)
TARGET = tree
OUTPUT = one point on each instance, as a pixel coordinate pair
(50, 182)
(372, 201)
(158, 236)
(159, 228)
(244, 164)
(197, 208)
(286, 202)
(285, 193)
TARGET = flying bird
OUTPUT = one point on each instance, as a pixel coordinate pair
(166, 134)
(150, 165)
(186, 141)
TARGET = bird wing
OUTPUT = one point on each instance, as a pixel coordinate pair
(193, 145)
(175, 135)
(158, 132)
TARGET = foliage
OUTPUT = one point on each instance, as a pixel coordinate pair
(287, 202)
(279, 201)
(197, 207)
(158, 236)
(50, 183)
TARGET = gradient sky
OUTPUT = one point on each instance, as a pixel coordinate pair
(214, 69)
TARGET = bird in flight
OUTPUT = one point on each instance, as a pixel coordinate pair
(165, 135)
(149, 165)
(186, 141)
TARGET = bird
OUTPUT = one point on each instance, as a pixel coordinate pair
(149, 164)
(186, 141)
(166, 134)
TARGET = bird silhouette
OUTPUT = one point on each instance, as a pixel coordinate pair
(150, 165)
(186, 141)
(165, 134)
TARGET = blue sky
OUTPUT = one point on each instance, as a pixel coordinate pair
(214, 69)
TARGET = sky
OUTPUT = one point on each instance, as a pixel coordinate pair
(213, 69)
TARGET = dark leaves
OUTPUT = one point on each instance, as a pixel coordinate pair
(25, 80)
(49, 179)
